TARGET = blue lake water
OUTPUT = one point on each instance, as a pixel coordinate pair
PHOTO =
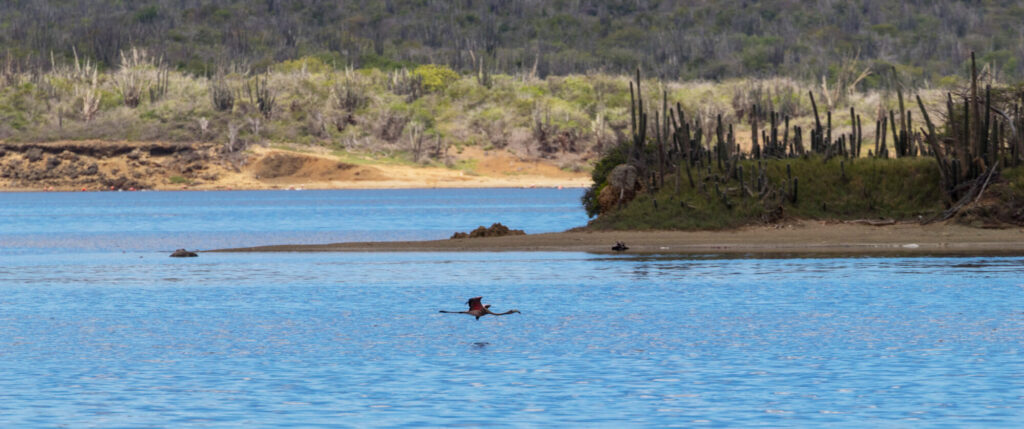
(104, 221)
(98, 327)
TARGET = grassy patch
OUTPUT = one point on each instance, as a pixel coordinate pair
(367, 158)
(468, 166)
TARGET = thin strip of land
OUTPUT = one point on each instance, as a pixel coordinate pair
(806, 238)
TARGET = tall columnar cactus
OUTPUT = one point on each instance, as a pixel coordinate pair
(638, 124)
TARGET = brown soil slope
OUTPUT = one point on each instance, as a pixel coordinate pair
(101, 165)
(104, 165)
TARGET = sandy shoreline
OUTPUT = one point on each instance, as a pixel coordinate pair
(807, 238)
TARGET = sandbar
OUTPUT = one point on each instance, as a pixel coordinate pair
(794, 239)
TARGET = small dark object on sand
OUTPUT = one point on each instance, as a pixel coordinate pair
(620, 246)
(182, 253)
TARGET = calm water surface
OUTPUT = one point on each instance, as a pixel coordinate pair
(98, 327)
(105, 221)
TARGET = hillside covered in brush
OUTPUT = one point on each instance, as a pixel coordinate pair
(806, 40)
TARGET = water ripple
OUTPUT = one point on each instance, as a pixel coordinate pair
(98, 327)
(112, 339)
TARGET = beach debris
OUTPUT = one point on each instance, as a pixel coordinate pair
(478, 309)
(182, 253)
(495, 230)
(620, 247)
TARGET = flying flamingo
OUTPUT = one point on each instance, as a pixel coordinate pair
(479, 310)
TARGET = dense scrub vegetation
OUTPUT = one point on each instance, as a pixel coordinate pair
(928, 41)
(415, 114)
(933, 172)
(863, 189)
(870, 190)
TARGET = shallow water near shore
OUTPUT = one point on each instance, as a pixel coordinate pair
(91, 336)
(35, 222)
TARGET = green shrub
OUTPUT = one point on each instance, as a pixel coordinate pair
(436, 77)
(147, 14)
(374, 61)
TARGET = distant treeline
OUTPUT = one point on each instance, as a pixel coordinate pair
(926, 40)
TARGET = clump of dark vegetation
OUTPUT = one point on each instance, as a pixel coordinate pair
(182, 253)
(261, 96)
(495, 230)
(688, 181)
(222, 96)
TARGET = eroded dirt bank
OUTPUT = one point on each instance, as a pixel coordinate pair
(102, 165)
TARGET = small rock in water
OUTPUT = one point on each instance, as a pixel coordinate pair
(182, 253)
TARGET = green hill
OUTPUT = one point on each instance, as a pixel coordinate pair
(927, 40)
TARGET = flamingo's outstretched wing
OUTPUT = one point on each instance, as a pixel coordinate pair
(474, 303)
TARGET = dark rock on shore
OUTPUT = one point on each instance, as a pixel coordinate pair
(34, 154)
(71, 171)
(182, 253)
(121, 182)
(496, 230)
